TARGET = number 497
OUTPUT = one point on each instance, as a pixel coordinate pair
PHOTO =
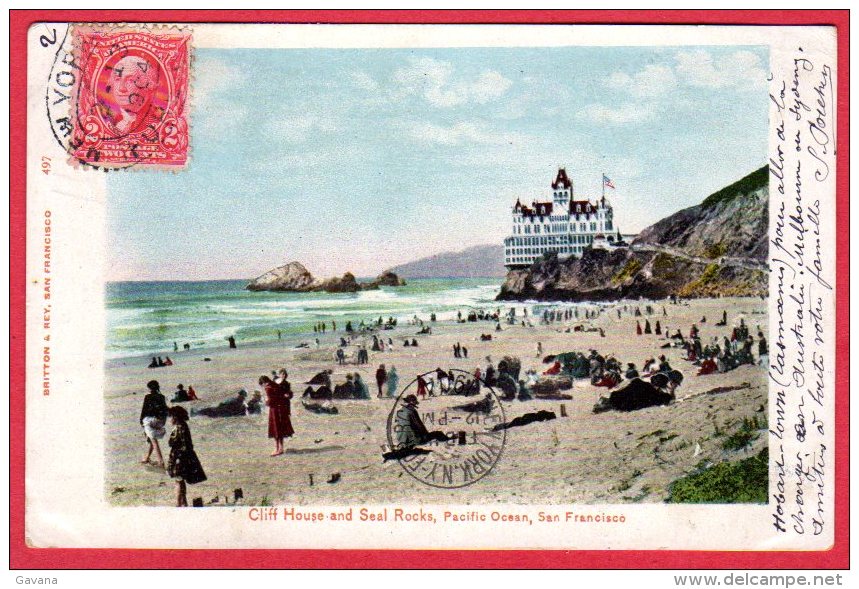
(46, 165)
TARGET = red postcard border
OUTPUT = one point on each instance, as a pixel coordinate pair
(22, 556)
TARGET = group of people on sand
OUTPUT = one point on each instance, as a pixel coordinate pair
(320, 386)
(157, 362)
(183, 465)
(183, 395)
(640, 393)
(241, 404)
(735, 351)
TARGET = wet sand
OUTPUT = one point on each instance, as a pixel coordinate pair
(582, 458)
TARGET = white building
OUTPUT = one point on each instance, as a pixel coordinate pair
(560, 224)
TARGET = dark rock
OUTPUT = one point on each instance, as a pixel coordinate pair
(388, 278)
(294, 277)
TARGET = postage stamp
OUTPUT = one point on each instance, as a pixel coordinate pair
(130, 97)
(460, 287)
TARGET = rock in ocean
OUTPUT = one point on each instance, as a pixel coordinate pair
(294, 277)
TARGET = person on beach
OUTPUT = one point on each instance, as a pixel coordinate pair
(381, 378)
(192, 394)
(153, 416)
(361, 389)
(539, 349)
(631, 372)
(229, 408)
(279, 425)
(253, 406)
(638, 328)
(763, 350)
(181, 395)
(393, 382)
(410, 429)
(344, 390)
(183, 465)
(422, 387)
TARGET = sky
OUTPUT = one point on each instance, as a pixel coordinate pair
(361, 159)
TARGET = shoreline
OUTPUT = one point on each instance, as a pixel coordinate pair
(296, 338)
(582, 458)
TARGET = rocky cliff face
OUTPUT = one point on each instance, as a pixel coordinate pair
(716, 248)
(294, 277)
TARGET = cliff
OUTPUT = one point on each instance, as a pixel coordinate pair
(716, 248)
(294, 277)
(473, 262)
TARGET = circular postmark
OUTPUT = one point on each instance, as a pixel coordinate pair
(442, 429)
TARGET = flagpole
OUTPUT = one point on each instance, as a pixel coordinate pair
(603, 185)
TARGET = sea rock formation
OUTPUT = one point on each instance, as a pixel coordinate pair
(716, 248)
(388, 278)
(294, 277)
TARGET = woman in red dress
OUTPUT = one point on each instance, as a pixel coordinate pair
(279, 425)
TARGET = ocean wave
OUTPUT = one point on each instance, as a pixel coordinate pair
(145, 319)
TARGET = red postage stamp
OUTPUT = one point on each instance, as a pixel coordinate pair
(131, 100)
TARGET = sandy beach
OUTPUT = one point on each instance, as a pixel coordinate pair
(585, 458)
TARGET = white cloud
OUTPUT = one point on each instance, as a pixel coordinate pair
(740, 69)
(624, 114)
(653, 80)
(698, 68)
(435, 81)
(364, 81)
(460, 133)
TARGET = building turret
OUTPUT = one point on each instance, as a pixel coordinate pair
(562, 224)
(562, 189)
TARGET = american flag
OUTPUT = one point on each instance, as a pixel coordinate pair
(607, 181)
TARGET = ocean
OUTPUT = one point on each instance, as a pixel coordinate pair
(145, 318)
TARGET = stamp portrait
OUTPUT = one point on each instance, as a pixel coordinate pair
(131, 98)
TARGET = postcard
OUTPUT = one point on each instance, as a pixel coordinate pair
(414, 287)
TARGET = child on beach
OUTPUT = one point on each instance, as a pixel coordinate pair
(153, 415)
(183, 464)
